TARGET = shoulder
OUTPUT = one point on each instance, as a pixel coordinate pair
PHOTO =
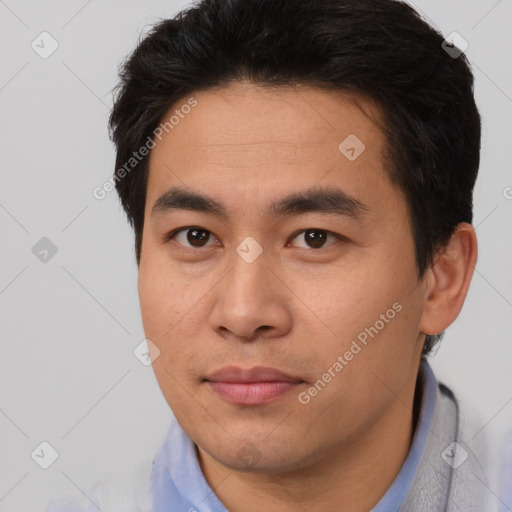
(128, 492)
(473, 455)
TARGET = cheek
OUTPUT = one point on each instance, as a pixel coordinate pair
(370, 305)
(162, 289)
(169, 308)
(344, 302)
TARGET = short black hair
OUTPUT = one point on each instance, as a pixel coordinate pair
(381, 49)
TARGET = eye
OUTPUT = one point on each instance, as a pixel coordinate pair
(315, 238)
(196, 236)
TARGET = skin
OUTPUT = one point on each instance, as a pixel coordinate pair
(296, 307)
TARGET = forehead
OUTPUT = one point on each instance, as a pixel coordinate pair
(283, 117)
(245, 141)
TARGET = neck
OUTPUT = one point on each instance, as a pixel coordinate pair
(354, 477)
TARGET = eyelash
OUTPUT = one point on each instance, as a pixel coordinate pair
(175, 232)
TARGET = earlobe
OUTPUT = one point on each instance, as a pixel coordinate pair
(449, 279)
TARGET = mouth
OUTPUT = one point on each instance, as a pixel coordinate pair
(254, 386)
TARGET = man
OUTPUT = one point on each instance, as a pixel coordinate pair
(299, 177)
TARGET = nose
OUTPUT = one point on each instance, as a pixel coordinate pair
(251, 302)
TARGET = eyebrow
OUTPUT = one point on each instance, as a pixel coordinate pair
(324, 200)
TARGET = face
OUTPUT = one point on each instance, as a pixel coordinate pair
(274, 242)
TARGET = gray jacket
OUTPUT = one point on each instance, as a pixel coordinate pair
(453, 472)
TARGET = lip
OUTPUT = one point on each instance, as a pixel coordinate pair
(252, 386)
(255, 374)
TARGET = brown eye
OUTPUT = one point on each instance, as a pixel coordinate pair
(315, 238)
(195, 237)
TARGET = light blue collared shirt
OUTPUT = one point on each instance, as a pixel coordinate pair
(178, 484)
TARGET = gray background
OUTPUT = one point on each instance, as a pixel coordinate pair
(69, 326)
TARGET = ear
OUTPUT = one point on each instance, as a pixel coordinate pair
(448, 280)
